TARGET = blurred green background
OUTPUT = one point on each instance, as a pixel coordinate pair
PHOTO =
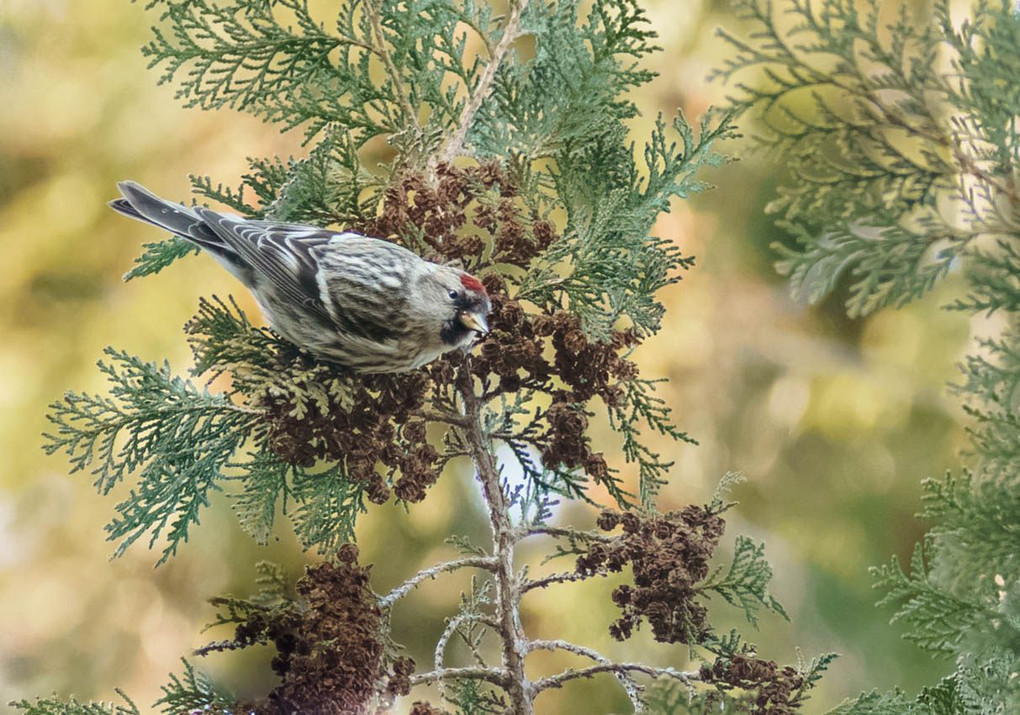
(834, 422)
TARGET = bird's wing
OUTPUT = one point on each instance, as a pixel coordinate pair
(280, 253)
(364, 284)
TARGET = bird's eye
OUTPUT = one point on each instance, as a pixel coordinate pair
(454, 295)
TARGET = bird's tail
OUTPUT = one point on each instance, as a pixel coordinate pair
(141, 204)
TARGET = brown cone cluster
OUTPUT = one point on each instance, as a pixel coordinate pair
(669, 555)
(517, 353)
(464, 214)
(374, 436)
(329, 644)
(776, 690)
(336, 651)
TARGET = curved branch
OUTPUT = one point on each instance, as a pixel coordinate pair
(482, 562)
(496, 676)
(562, 577)
(628, 683)
(561, 533)
(452, 626)
(481, 90)
(447, 417)
(448, 632)
(618, 669)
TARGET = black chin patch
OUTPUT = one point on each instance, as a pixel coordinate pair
(454, 332)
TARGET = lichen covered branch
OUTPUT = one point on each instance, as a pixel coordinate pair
(496, 676)
(511, 632)
(545, 581)
(482, 562)
(556, 681)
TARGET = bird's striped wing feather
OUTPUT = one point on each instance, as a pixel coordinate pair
(282, 254)
(364, 286)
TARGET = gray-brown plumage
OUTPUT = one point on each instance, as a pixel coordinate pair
(365, 303)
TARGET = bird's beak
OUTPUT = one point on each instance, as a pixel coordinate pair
(476, 322)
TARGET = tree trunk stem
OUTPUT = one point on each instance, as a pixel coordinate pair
(519, 689)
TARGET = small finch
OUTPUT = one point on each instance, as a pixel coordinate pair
(364, 303)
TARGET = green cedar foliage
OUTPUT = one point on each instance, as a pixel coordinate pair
(193, 692)
(902, 146)
(555, 119)
(554, 211)
(176, 437)
(57, 706)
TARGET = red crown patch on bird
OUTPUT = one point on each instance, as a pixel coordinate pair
(471, 283)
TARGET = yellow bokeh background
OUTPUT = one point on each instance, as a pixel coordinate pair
(834, 421)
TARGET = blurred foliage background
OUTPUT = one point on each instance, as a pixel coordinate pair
(834, 421)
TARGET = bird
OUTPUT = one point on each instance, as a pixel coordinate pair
(364, 303)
